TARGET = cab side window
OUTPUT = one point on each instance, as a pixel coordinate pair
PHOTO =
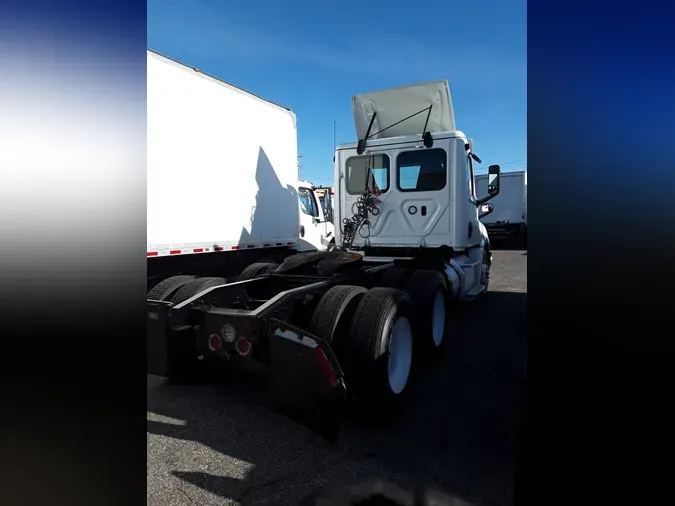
(308, 203)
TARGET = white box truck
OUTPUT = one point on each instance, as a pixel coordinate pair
(345, 323)
(509, 217)
(222, 177)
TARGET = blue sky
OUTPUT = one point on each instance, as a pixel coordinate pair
(313, 56)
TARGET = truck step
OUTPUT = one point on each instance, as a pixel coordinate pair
(471, 265)
(476, 291)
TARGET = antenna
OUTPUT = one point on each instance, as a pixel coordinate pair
(334, 143)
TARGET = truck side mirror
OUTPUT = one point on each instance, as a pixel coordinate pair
(493, 179)
(493, 185)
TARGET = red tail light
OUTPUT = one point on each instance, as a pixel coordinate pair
(215, 342)
(243, 346)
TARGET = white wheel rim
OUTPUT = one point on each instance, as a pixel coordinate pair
(438, 319)
(400, 355)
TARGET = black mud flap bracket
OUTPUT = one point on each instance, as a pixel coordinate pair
(306, 380)
(162, 337)
(157, 322)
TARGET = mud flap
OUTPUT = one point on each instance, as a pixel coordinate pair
(306, 381)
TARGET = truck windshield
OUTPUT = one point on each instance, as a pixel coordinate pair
(369, 172)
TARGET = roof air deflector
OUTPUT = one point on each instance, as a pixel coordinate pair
(403, 111)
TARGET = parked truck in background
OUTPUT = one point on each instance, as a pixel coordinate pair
(344, 323)
(222, 179)
(326, 196)
(316, 227)
(509, 218)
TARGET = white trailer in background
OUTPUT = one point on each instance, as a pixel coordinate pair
(509, 217)
(222, 177)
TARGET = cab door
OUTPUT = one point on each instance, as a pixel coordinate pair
(423, 194)
(312, 223)
(363, 174)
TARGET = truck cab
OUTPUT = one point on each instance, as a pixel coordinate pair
(316, 230)
(426, 195)
(421, 171)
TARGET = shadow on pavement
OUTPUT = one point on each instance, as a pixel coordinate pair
(459, 430)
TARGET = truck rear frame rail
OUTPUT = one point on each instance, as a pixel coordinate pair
(251, 317)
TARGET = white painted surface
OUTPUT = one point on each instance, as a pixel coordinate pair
(222, 162)
(394, 104)
(448, 210)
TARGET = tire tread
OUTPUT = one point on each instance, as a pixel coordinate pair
(256, 270)
(195, 286)
(331, 309)
(167, 287)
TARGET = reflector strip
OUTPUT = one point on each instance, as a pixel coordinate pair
(192, 249)
(320, 355)
(323, 360)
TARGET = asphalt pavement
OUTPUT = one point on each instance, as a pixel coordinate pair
(222, 444)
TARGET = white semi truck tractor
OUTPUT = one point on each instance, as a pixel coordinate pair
(349, 322)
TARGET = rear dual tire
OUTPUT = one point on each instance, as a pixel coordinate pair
(257, 270)
(334, 313)
(428, 291)
(430, 296)
(371, 334)
(381, 344)
(375, 333)
(166, 288)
